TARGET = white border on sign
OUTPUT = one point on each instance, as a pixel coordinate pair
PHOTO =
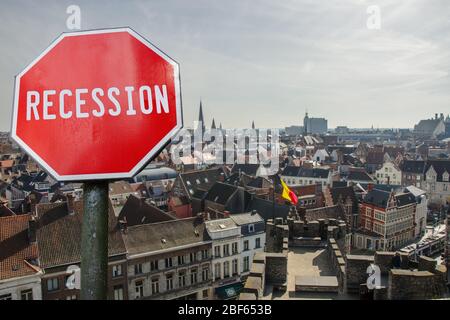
(101, 176)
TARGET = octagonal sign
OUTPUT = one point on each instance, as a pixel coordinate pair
(97, 105)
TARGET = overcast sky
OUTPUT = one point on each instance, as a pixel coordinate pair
(267, 61)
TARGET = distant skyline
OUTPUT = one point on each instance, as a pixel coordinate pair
(268, 61)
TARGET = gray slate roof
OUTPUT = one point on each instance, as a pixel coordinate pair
(165, 235)
(246, 218)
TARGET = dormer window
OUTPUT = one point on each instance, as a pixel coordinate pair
(251, 228)
(445, 176)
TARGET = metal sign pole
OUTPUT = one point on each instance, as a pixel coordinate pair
(94, 241)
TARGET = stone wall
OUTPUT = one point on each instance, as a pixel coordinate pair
(276, 235)
(355, 271)
(300, 230)
(337, 261)
(276, 269)
(267, 268)
(410, 285)
(383, 259)
(414, 280)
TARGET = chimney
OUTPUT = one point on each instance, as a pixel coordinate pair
(33, 203)
(32, 230)
(435, 116)
(70, 206)
(442, 116)
(123, 225)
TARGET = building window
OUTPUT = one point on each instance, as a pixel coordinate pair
(169, 282)
(118, 292)
(205, 293)
(217, 251)
(193, 257)
(193, 276)
(235, 267)
(246, 263)
(245, 245)
(180, 260)
(226, 250)
(182, 279)
(205, 254)
(234, 248)
(205, 274)
(26, 294)
(217, 271)
(72, 297)
(168, 262)
(138, 268)
(257, 243)
(154, 265)
(52, 284)
(139, 289)
(251, 228)
(155, 286)
(226, 269)
(117, 270)
(6, 296)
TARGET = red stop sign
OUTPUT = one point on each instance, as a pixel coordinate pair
(97, 105)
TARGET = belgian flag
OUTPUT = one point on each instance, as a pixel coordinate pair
(286, 193)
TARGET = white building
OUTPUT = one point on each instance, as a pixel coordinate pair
(421, 209)
(437, 181)
(21, 288)
(226, 258)
(320, 155)
(19, 270)
(389, 173)
(253, 237)
(301, 176)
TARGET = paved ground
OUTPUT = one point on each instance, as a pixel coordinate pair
(307, 262)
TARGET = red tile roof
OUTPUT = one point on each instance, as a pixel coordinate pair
(59, 234)
(6, 163)
(15, 249)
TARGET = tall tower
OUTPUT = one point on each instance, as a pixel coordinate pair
(200, 116)
(213, 124)
(306, 122)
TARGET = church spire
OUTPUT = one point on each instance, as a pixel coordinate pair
(220, 126)
(213, 124)
(200, 116)
(200, 113)
(253, 124)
